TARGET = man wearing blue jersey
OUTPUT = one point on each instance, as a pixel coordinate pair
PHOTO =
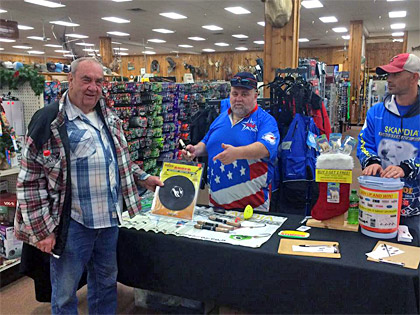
(241, 145)
(389, 142)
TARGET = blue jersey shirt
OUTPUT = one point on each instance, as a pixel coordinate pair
(242, 182)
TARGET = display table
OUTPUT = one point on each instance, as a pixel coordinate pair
(262, 281)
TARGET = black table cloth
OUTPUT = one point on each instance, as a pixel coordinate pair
(262, 281)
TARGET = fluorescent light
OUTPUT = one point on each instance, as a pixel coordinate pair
(38, 38)
(397, 14)
(262, 23)
(120, 48)
(222, 44)
(62, 51)
(24, 27)
(90, 50)
(328, 19)
(69, 55)
(85, 44)
(185, 46)
(77, 36)
(208, 50)
(93, 54)
(241, 48)
(259, 42)
(116, 33)
(312, 4)
(149, 47)
(163, 30)
(196, 38)
(394, 0)
(35, 52)
(156, 40)
(1, 48)
(400, 40)
(237, 10)
(173, 15)
(174, 51)
(397, 26)
(303, 40)
(3, 11)
(346, 37)
(115, 19)
(396, 34)
(121, 53)
(240, 36)
(116, 43)
(52, 45)
(122, 0)
(65, 23)
(7, 40)
(45, 3)
(22, 47)
(212, 27)
(148, 52)
(340, 29)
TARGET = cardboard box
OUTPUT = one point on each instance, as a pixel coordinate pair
(10, 247)
(8, 204)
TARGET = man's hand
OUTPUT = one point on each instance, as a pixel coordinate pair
(372, 170)
(392, 171)
(189, 153)
(47, 244)
(151, 182)
(229, 155)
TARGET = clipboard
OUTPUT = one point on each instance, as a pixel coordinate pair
(410, 257)
(285, 248)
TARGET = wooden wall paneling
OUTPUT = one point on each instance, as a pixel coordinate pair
(405, 43)
(105, 49)
(355, 56)
(378, 54)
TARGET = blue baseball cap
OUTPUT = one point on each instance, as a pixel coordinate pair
(244, 80)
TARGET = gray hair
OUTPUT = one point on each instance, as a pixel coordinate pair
(75, 63)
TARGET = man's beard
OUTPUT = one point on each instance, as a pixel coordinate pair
(239, 111)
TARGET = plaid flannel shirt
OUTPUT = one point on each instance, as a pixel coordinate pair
(41, 183)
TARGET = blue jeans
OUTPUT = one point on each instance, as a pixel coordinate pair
(95, 250)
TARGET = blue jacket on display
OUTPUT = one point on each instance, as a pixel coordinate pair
(387, 138)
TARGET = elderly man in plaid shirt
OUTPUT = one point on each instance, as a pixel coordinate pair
(76, 177)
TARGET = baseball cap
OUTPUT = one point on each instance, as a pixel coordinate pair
(244, 80)
(401, 62)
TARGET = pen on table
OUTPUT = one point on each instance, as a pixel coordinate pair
(211, 228)
(232, 223)
(215, 225)
(391, 262)
(386, 247)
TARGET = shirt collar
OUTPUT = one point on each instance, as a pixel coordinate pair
(72, 110)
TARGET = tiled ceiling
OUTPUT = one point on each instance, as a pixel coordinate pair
(144, 16)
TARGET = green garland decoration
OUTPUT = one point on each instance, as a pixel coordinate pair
(13, 79)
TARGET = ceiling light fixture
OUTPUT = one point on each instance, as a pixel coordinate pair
(222, 44)
(69, 55)
(7, 40)
(262, 23)
(397, 34)
(394, 0)
(328, 19)
(3, 11)
(77, 36)
(85, 44)
(397, 14)
(346, 37)
(90, 50)
(196, 38)
(1, 48)
(340, 29)
(52, 45)
(208, 50)
(45, 3)
(237, 10)
(212, 27)
(259, 42)
(163, 30)
(148, 52)
(121, 53)
(156, 40)
(399, 40)
(93, 54)
(115, 19)
(173, 15)
(116, 33)
(24, 27)
(241, 48)
(22, 47)
(122, 0)
(312, 4)
(240, 36)
(149, 47)
(35, 52)
(62, 51)
(303, 40)
(185, 46)
(116, 43)
(64, 23)
(38, 38)
(398, 26)
(120, 48)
